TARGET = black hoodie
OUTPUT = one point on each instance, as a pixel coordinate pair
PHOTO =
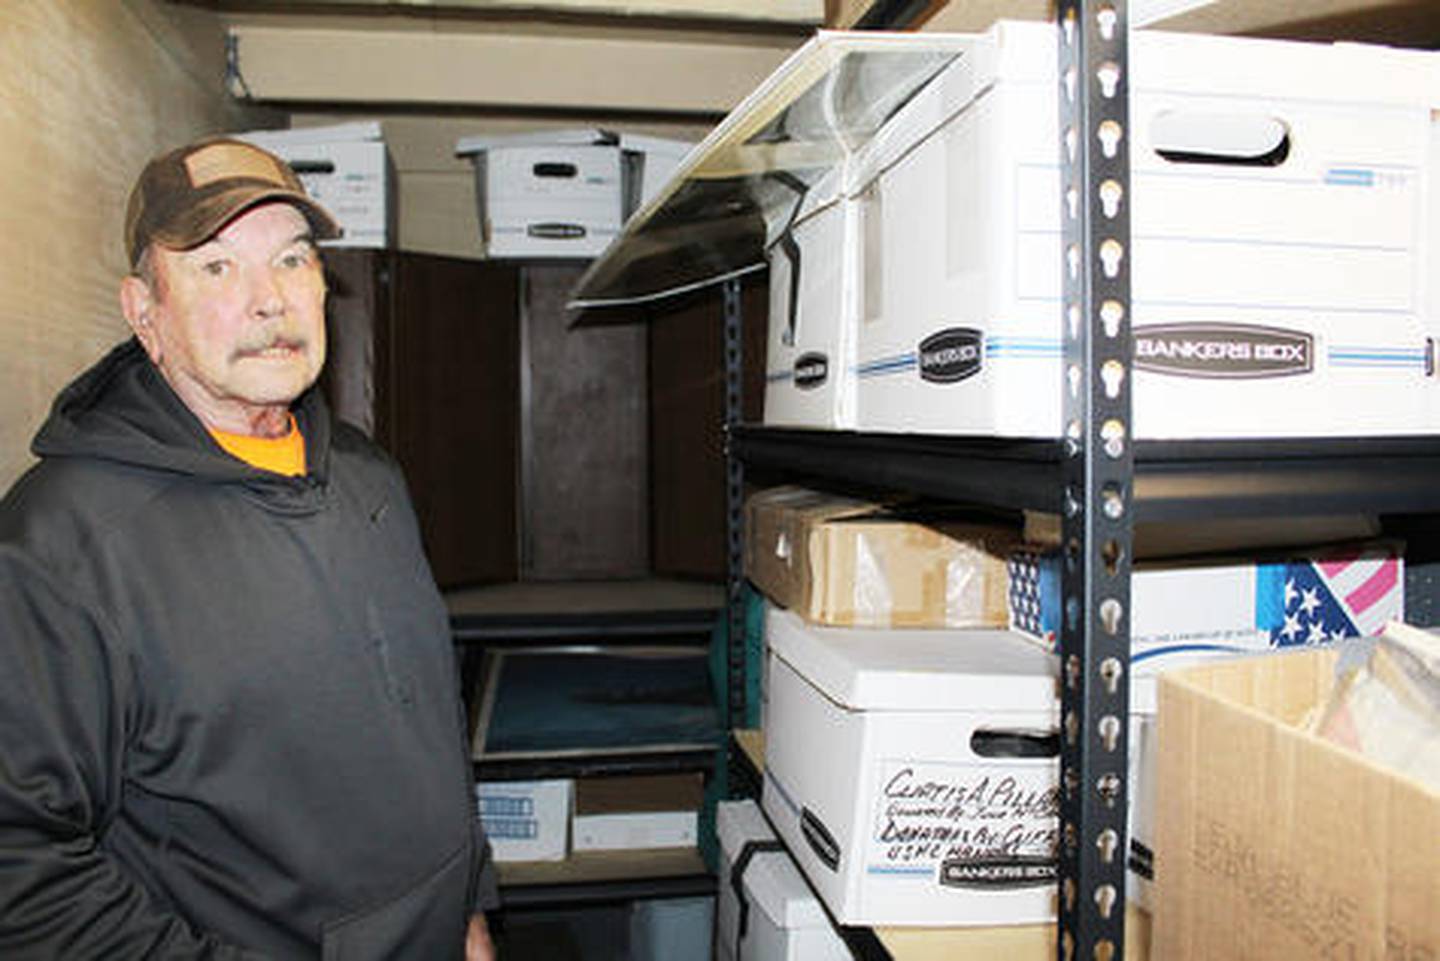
(229, 716)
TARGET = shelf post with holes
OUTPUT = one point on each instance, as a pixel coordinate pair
(736, 708)
(1098, 474)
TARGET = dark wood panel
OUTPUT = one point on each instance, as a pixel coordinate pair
(453, 399)
(424, 356)
(585, 514)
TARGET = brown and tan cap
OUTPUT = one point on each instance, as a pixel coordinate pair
(184, 197)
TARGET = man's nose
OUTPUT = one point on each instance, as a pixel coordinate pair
(266, 299)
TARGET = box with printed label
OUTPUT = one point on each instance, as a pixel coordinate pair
(765, 910)
(548, 194)
(347, 168)
(841, 561)
(912, 773)
(1275, 843)
(1283, 213)
(525, 820)
(1183, 611)
(814, 312)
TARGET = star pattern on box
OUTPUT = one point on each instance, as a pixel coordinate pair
(1337, 598)
(1026, 609)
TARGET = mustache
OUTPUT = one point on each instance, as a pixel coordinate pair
(263, 342)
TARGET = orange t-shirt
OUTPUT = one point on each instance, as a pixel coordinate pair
(280, 455)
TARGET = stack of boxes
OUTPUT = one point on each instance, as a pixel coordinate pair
(1282, 230)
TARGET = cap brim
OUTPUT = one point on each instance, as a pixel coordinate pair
(207, 219)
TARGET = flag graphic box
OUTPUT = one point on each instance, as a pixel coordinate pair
(1183, 611)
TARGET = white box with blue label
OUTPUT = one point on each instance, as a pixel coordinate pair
(814, 312)
(1283, 257)
(525, 820)
(555, 193)
(347, 168)
(912, 773)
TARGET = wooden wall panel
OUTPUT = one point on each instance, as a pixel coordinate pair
(89, 89)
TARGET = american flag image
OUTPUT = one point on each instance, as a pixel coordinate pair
(1345, 595)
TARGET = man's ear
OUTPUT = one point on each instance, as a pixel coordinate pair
(137, 303)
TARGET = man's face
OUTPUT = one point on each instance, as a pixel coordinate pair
(237, 325)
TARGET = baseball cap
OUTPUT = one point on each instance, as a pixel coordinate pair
(184, 197)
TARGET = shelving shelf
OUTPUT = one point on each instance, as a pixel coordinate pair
(1174, 480)
(596, 877)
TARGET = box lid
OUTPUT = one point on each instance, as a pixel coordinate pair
(573, 137)
(354, 131)
(908, 669)
(771, 878)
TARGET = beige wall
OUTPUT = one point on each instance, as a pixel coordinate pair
(88, 90)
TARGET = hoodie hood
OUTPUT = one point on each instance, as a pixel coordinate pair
(122, 410)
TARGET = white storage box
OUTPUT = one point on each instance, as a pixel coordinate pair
(627, 812)
(891, 771)
(347, 168)
(1181, 612)
(548, 194)
(814, 313)
(759, 883)
(525, 820)
(1283, 220)
(649, 163)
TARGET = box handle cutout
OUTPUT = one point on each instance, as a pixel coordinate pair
(1244, 140)
(1002, 743)
(821, 841)
(312, 166)
(555, 169)
(556, 231)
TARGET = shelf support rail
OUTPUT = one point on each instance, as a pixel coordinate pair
(734, 508)
(1098, 476)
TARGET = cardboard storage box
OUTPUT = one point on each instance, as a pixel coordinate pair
(347, 168)
(1274, 844)
(912, 774)
(1181, 611)
(525, 820)
(549, 193)
(840, 561)
(1283, 239)
(627, 812)
(650, 162)
(814, 312)
(765, 910)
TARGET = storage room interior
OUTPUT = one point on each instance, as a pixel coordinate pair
(615, 496)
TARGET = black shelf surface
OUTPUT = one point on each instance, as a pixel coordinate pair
(1174, 480)
(583, 893)
(596, 764)
(613, 627)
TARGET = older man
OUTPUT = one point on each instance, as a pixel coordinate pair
(229, 716)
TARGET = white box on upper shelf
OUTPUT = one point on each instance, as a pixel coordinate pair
(347, 168)
(548, 193)
(1283, 218)
(814, 312)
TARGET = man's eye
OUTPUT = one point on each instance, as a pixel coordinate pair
(215, 268)
(295, 258)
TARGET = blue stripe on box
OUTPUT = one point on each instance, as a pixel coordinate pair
(1269, 596)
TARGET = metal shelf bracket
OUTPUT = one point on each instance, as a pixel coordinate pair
(1098, 477)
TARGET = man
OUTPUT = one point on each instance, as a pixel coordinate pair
(229, 717)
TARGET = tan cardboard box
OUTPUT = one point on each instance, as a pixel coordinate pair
(1273, 844)
(839, 561)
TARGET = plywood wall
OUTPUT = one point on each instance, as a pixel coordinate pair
(89, 89)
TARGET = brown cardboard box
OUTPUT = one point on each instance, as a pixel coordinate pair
(1273, 844)
(851, 563)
